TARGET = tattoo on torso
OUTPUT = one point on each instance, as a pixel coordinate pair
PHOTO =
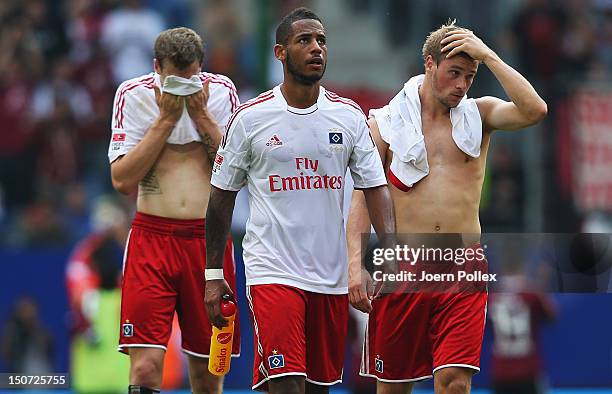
(149, 184)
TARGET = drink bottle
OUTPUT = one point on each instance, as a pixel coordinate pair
(222, 339)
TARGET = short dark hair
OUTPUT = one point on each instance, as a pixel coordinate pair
(181, 45)
(284, 29)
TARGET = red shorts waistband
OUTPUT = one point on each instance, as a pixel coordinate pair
(187, 228)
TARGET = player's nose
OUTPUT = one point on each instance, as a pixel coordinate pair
(316, 47)
(462, 85)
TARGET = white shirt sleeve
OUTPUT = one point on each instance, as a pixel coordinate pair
(230, 104)
(127, 125)
(233, 158)
(364, 163)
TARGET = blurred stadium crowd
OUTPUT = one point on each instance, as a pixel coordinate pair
(61, 61)
(59, 67)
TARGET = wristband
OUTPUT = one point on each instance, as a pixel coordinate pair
(213, 273)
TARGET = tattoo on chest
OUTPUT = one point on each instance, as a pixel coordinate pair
(149, 184)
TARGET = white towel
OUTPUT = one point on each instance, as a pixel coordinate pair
(185, 130)
(182, 86)
(400, 126)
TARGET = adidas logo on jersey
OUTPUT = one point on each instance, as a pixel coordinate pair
(274, 141)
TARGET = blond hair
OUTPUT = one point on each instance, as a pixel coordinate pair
(432, 44)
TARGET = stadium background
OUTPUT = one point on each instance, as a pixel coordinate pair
(60, 62)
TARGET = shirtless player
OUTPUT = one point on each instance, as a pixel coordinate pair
(166, 131)
(436, 178)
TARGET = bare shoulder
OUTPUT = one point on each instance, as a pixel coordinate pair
(486, 104)
(375, 130)
(381, 145)
(374, 126)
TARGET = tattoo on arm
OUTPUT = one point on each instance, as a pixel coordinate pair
(211, 147)
(149, 184)
(218, 221)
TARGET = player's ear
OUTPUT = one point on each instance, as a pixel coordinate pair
(280, 52)
(429, 63)
(157, 66)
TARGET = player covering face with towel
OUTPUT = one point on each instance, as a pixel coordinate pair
(166, 128)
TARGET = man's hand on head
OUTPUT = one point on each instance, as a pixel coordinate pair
(458, 41)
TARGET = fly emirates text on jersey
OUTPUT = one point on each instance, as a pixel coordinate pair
(303, 181)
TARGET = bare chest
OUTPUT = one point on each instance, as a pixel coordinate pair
(441, 148)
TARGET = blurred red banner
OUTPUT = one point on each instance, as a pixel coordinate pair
(592, 149)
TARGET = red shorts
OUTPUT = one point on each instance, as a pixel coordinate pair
(412, 334)
(164, 272)
(297, 332)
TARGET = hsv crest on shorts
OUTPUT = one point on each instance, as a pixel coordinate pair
(127, 329)
(378, 364)
(276, 360)
(274, 141)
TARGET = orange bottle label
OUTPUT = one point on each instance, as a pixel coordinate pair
(224, 337)
(221, 347)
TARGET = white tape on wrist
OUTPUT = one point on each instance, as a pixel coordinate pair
(213, 274)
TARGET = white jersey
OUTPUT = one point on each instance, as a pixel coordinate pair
(294, 162)
(135, 110)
